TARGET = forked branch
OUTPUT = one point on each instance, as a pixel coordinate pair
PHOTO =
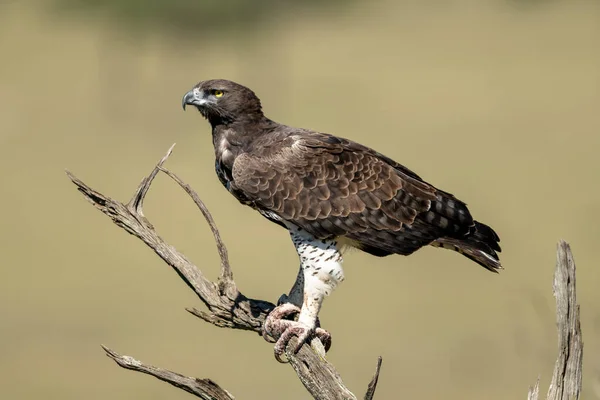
(227, 306)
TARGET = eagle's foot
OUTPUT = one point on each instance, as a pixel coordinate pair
(303, 332)
(277, 326)
(272, 328)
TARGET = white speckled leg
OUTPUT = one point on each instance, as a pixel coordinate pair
(322, 266)
(320, 273)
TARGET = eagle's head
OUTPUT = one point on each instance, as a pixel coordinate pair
(222, 102)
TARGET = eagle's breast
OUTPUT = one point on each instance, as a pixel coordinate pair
(225, 151)
(224, 157)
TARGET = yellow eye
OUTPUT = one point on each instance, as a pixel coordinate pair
(218, 93)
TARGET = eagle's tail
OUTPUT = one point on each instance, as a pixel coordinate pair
(480, 245)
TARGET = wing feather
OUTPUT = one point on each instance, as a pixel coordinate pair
(332, 187)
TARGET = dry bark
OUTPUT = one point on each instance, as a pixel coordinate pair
(566, 379)
(227, 306)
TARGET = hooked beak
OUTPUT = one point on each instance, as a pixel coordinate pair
(193, 97)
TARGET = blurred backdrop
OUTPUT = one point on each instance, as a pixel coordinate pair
(496, 101)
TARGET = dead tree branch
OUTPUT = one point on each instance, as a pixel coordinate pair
(204, 388)
(227, 306)
(566, 379)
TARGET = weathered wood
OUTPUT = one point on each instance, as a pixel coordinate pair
(227, 306)
(566, 379)
(204, 388)
(373, 384)
(534, 391)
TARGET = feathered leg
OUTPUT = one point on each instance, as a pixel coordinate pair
(320, 272)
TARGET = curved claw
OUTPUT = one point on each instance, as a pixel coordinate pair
(268, 337)
(303, 337)
(321, 334)
(273, 323)
(303, 333)
(277, 326)
(285, 338)
(324, 337)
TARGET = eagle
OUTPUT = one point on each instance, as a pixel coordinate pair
(329, 193)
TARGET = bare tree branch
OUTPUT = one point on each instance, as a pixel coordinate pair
(373, 384)
(566, 379)
(204, 388)
(227, 306)
(534, 391)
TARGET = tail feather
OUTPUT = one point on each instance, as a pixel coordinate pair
(480, 245)
(485, 234)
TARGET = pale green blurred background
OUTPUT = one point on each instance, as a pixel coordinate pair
(496, 101)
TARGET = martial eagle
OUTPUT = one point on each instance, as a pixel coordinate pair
(328, 192)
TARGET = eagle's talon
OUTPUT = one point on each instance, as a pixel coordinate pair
(325, 338)
(272, 328)
(267, 336)
(289, 332)
(277, 326)
(292, 328)
(304, 333)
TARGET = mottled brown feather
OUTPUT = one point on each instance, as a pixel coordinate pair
(332, 187)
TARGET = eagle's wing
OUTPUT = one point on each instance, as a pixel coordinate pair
(333, 187)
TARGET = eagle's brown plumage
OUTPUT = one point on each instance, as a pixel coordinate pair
(330, 186)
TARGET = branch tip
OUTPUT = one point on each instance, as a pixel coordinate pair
(136, 203)
(373, 384)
